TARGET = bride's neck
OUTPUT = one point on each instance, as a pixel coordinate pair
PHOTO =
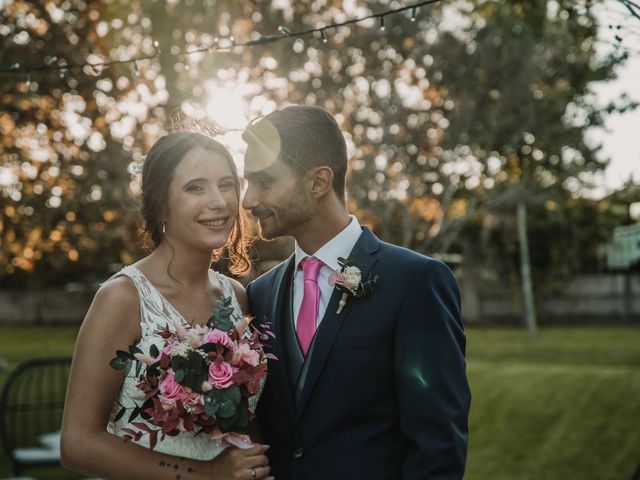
(189, 267)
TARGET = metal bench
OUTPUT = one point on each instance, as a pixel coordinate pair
(31, 408)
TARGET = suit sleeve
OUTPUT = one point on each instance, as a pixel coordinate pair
(432, 388)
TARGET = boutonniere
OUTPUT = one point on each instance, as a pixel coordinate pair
(349, 281)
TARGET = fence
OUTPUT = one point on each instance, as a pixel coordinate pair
(601, 298)
(598, 298)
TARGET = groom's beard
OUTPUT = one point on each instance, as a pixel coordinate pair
(286, 219)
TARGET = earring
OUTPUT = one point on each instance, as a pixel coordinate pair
(164, 227)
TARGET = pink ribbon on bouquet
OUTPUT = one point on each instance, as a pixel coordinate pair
(233, 439)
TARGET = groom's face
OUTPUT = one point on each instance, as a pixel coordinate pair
(276, 195)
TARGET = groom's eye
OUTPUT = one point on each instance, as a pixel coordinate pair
(264, 182)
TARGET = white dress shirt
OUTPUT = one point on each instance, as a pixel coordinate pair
(339, 246)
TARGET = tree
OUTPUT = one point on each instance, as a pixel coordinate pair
(64, 174)
(520, 78)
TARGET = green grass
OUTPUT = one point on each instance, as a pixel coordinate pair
(563, 407)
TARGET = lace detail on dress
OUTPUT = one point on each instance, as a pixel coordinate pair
(155, 314)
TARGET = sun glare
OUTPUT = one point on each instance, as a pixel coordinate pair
(231, 104)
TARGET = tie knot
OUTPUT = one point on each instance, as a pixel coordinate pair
(311, 267)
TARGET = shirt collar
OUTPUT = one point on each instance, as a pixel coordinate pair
(339, 246)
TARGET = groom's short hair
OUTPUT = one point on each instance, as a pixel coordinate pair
(309, 137)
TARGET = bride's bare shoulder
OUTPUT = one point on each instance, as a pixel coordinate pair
(120, 289)
(115, 302)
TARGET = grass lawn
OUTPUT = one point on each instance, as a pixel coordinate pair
(561, 408)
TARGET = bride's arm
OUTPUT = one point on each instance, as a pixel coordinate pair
(113, 323)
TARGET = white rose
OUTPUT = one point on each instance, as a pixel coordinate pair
(352, 276)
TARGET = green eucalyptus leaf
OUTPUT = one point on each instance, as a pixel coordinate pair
(118, 363)
(227, 424)
(234, 394)
(221, 318)
(211, 404)
(207, 347)
(124, 355)
(133, 349)
(227, 409)
(178, 362)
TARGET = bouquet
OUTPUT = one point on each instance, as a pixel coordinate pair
(200, 381)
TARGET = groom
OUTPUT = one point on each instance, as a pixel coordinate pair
(365, 387)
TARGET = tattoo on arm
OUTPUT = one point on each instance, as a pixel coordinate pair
(177, 467)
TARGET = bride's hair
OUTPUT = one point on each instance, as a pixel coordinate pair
(157, 173)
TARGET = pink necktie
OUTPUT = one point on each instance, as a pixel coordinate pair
(308, 314)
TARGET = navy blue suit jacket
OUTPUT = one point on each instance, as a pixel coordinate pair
(386, 393)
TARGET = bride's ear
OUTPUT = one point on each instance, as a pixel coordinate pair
(321, 181)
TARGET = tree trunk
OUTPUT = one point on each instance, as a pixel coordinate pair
(525, 271)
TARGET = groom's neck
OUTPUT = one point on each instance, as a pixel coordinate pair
(327, 222)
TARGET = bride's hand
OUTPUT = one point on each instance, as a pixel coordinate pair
(240, 464)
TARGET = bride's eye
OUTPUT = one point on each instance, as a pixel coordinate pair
(194, 188)
(227, 186)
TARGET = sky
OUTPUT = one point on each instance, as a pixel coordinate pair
(621, 141)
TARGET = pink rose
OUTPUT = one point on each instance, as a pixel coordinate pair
(220, 374)
(171, 390)
(244, 354)
(169, 347)
(217, 336)
(337, 278)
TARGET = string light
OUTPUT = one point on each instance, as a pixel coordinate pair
(227, 44)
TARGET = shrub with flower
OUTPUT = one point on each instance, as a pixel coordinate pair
(199, 381)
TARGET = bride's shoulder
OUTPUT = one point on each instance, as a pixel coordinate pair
(119, 292)
(115, 311)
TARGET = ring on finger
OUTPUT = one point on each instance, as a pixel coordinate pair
(253, 473)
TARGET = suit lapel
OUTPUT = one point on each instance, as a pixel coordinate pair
(363, 256)
(278, 317)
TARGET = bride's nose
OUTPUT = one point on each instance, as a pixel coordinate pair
(216, 199)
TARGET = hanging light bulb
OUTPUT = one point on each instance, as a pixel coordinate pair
(382, 27)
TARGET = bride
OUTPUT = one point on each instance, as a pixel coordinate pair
(190, 204)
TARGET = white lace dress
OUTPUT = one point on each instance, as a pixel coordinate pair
(156, 312)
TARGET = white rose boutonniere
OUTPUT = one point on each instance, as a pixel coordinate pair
(349, 281)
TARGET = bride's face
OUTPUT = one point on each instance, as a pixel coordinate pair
(203, 200)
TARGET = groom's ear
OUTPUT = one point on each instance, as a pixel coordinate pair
(320, 181)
